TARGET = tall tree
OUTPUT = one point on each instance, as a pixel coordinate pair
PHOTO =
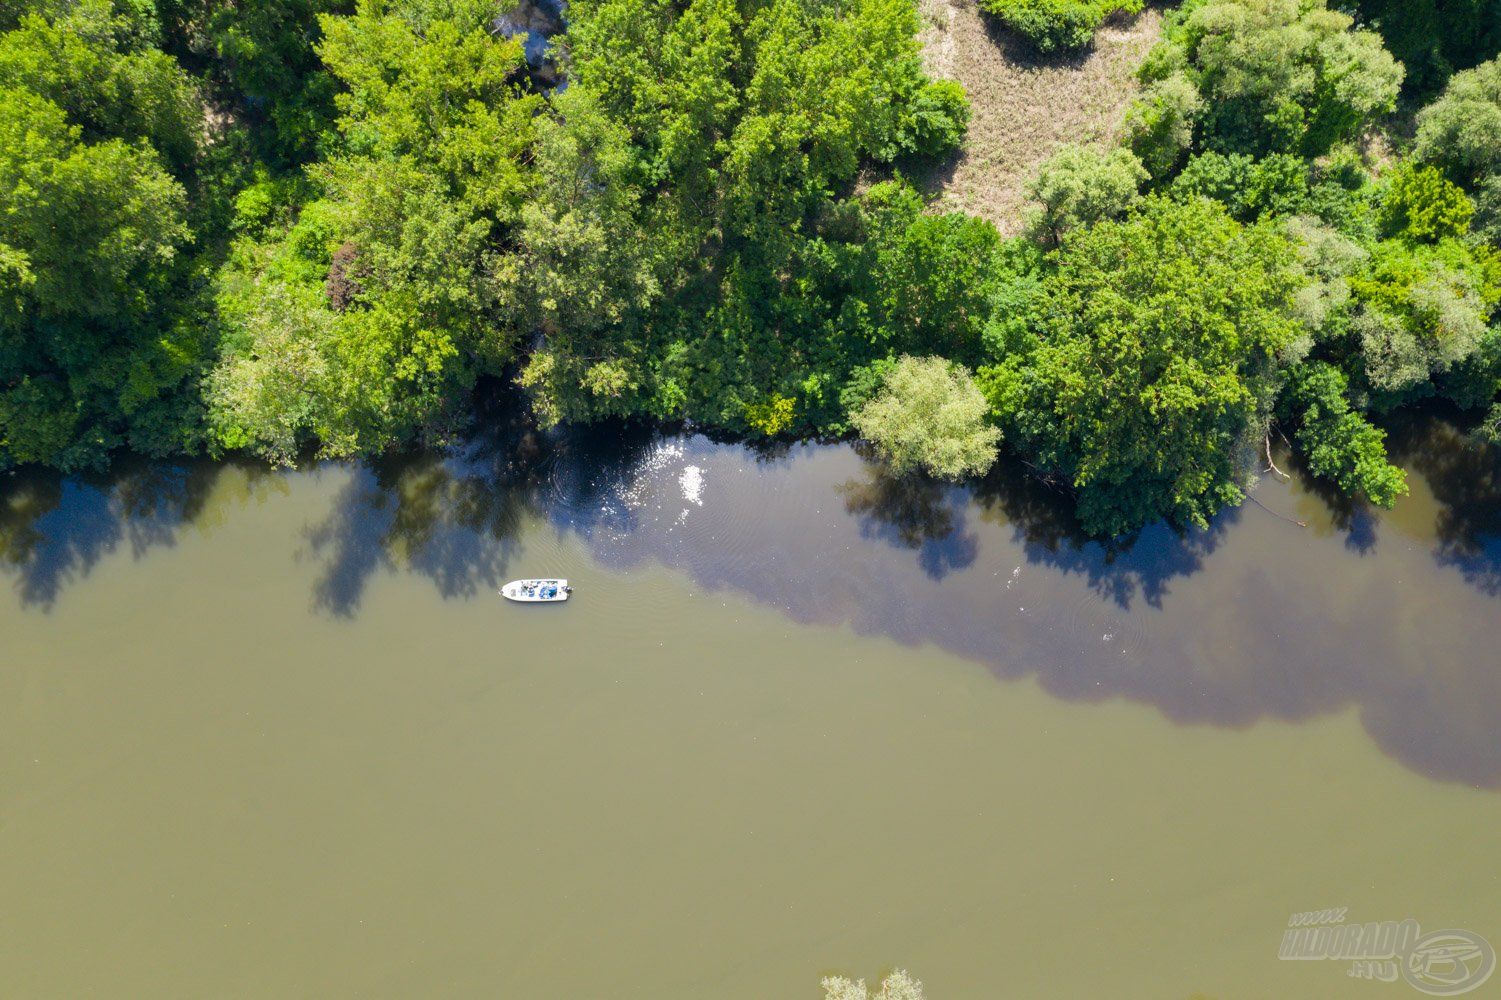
(97, 134)
(1153, 377)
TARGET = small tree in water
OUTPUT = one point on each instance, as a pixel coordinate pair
(929, 414)
(897, 986)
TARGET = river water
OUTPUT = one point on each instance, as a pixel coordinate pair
(274, 734)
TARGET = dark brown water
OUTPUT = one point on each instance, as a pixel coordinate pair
(274, 733)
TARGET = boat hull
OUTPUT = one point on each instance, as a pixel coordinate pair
(541, 591)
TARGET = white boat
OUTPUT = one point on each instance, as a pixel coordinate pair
(536, 591)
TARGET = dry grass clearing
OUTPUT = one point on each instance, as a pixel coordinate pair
(1024, 106)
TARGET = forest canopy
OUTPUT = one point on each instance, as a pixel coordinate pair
(317, 228)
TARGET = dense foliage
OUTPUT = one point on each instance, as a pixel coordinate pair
(718, 273)
(1434, 38)
(312, 227)
(99, 148)
(1159, 356)
(1056, 25)
(260, 61)
(364, 317)
(1259, 77)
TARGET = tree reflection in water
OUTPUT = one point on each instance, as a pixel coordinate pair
(913, 512)
(55, 529)
(1141, 565)
(455, 516)
(1285, 626)
(1464, 477)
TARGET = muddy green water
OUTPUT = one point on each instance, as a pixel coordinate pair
(275, 735)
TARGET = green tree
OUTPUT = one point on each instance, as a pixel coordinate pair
(1433, 38)
(1155, 374)
(1056, 25)
(1339, 444)
(1276, 75)
(590, 262)
(97, 67)
(928, 414)
(1460, 132)
(1421, 309)
(699, 159)
(367, 321)
(1078, 186)
(1249, 188)
(93, 353)
(261, 60)
(931, 278)
(1487, 220)
(1160, 123)
(1421, 205)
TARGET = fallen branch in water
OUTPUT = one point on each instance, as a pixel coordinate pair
(1271, 464)
(1281, 517)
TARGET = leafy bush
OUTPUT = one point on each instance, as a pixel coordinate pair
(928, 414)
(771, 416)
(1249, 188)
(935, 119)
(1055, 25)
(1421, 205)
(1160, 123)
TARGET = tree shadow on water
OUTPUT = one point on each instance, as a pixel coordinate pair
(1355, 518)
(913, 512)
(1141, 565)
(455, 515)
(451, 518)
(55, 529)
(1464, 477)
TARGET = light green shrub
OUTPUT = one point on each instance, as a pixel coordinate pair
(1056, 25)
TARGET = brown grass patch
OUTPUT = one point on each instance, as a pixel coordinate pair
(1023, 106)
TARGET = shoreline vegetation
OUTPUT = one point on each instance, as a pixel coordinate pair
(311, 228)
